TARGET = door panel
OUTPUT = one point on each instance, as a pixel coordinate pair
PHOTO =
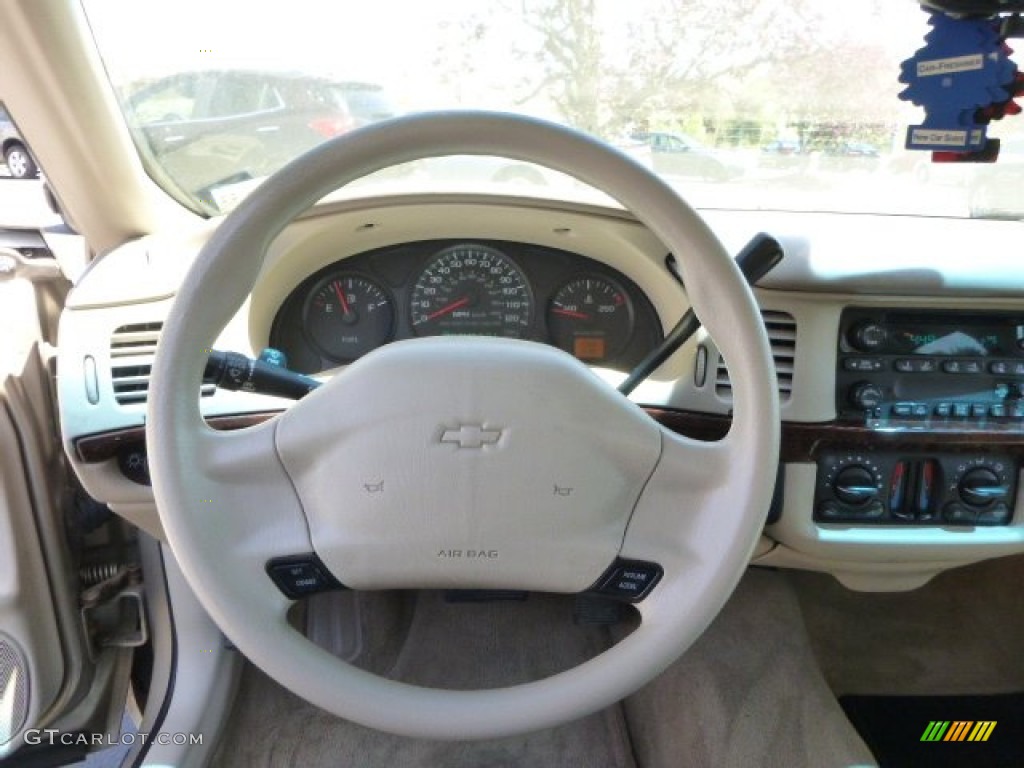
(33, 667)
(52, 673)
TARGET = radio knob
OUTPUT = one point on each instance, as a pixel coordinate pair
(866, 395)
(980, 486)
(867, 337)
(855, 485)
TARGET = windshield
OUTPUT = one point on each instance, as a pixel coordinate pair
(750, 104)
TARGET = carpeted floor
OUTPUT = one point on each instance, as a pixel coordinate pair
(747, 694)
(959, 634)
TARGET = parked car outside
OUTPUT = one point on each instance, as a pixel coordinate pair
(783, 154)
(996, 190)
(680, 155)
(19, 161)
(205, 126)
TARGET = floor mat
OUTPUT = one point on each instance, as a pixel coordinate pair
(448, 645)
(941, 731)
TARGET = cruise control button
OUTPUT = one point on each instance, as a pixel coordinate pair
(300, 575)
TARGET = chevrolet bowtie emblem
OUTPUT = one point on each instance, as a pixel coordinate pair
(471, 436)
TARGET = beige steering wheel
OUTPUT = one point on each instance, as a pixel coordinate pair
(231, 502)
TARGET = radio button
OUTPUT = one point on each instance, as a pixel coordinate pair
(999, 367)
(971, 366)
(944, 410)
(862, 364)
(1017, 411)
(997, 411)
(951, 366)
(902, 410)
(920, 410)
(979, 411)
(1018, 369)
(866, 395)
(961, 410)
(915, 365)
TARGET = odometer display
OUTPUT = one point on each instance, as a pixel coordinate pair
(473, 290)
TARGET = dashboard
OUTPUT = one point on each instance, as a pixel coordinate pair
(899, 368)
(456, 287)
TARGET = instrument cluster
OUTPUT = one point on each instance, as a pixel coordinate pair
(479, 288)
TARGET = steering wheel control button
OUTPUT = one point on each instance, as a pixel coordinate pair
(298, 576)
(630, 580)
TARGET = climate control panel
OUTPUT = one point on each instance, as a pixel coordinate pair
(910, 489)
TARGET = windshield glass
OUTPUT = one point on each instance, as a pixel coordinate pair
(753, 104)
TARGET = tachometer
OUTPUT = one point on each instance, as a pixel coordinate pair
(471, 290)
(591, 317)
(348, 315)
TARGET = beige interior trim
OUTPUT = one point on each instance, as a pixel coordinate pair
(55, 87)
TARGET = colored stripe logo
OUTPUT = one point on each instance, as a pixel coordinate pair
(958, 730)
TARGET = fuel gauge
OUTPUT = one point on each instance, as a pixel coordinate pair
(347, 316)
(591, 317)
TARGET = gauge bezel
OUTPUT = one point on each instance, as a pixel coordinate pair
(344, 274)
(524, 331)
(612, 355)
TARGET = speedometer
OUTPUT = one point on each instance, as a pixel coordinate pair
(470, 289)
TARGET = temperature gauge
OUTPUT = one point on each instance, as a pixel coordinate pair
(591, 317)
(347, 316)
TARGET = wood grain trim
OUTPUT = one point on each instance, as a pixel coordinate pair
(801, 442)
(93, 449)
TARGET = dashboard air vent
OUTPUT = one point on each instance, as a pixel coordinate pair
(781, 328)
(132, 348)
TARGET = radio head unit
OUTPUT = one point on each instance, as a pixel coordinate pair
(930, 368)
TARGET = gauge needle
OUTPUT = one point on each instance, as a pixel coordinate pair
(450, 308)
(341, 297)
(570, 313)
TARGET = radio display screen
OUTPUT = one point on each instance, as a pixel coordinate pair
(951, 340)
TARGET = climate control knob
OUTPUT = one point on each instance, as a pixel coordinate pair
(981, 486)
(855, 485)
(866, 395)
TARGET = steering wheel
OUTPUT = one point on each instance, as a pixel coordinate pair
(460, 462)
